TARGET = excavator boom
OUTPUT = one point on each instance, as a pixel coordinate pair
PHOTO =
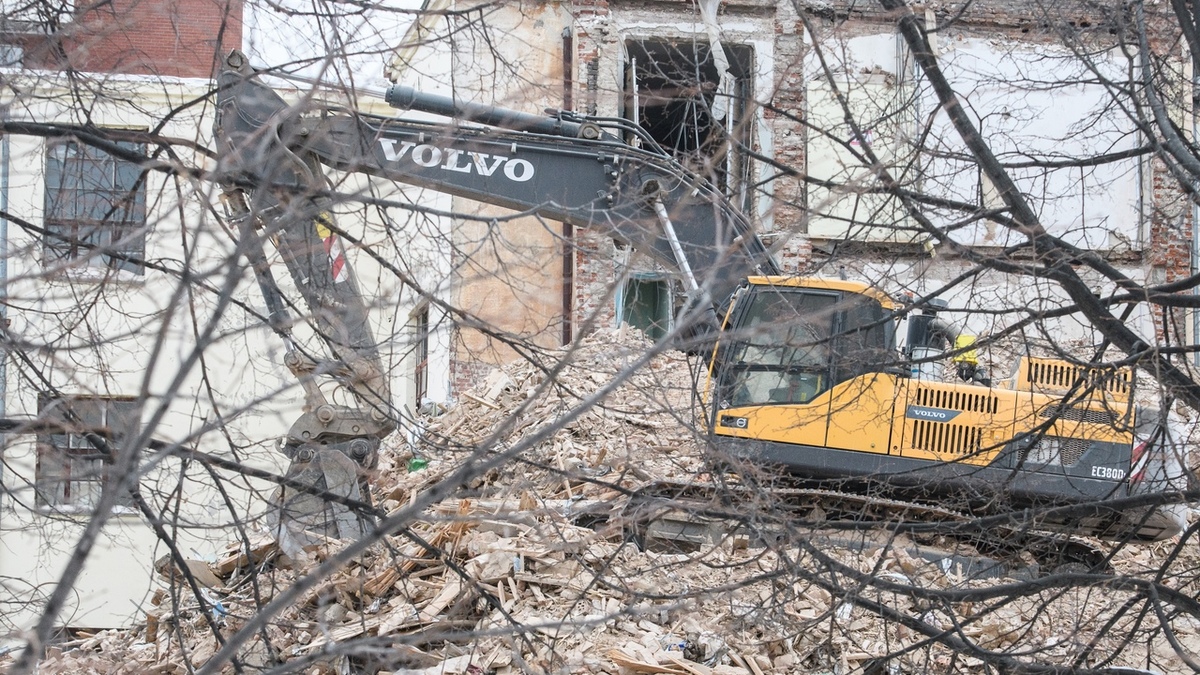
(573, 172)
(272, 160)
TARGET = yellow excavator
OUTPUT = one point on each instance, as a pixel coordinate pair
(805, 374)
(807, 377)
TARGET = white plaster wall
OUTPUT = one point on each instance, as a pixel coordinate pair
(1012, 92)
(125, 335)
(1032, 102)
(128, 335)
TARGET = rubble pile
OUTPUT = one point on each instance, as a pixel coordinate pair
(648, 428)
(506, 576)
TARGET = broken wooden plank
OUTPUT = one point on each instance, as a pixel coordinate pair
(624, 660)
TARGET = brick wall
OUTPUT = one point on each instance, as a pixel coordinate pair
(787, 106)
(172, 38)
(1168, 255)
(592, 304)
(466, 370)
(595, 271)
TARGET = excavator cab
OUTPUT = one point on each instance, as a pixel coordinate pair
(787, 341)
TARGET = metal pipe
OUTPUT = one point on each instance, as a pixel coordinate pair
(406, 98)
(4, 178)
(707, 322)
(568, 231)
(568, 61)
(664, 219)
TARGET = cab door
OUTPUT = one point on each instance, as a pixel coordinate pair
(773, 370)
(866, 378)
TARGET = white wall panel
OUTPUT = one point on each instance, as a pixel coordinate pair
(1047, 114)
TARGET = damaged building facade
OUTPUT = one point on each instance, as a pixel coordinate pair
(111, 317)
(795, 110)
(798, 110)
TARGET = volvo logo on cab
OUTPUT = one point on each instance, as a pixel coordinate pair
(920, 412)
(459, 161)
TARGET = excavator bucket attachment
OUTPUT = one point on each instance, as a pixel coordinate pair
(303, 518)
(331, 445)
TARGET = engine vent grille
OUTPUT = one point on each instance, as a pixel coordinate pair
(956, 400)
(1055, 375)
(954, 439)
(1081, 414)
(1057, 450)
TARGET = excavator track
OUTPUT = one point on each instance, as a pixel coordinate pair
(693, 515)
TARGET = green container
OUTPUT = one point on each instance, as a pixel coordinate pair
(417, 463)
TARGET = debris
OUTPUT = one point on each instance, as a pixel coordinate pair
(535, 571)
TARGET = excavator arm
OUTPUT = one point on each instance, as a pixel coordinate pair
(575, 170)
(330, 445)
(571, 171)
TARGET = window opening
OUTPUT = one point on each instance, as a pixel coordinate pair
(670, 88)
(420, 330)
(95, 207)
(71, 469)
(646, 305)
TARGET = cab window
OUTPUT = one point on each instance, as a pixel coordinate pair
(791, 345)
(782, 349)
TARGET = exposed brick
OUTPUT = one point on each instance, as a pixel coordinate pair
(171, 38)
(595, 274)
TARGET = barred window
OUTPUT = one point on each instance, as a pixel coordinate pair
(74, 466)
(95, 207)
